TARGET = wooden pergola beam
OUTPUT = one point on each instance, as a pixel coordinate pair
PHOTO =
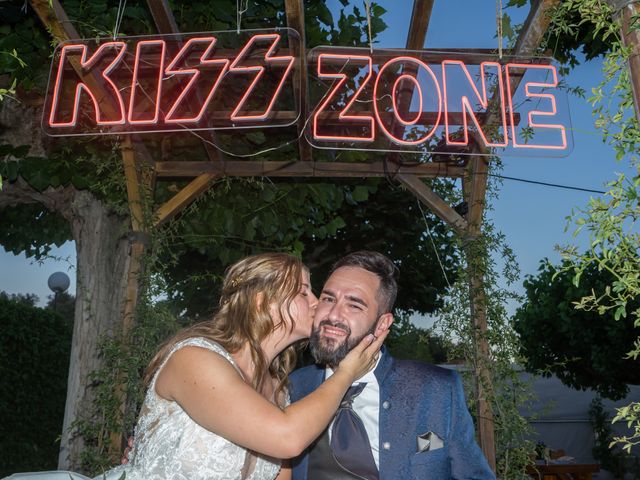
(240, 168)
(535, 27)
(434, 202)
(163, 16)
(420, 17)
(133, 185)
(294, 10)
(55, 18)
(184, 197)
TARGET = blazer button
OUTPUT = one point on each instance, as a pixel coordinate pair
(386, 405)
(386, 446)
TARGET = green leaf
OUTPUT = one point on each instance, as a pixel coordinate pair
(360, 193)
(621, 312)
(576, 279)
(324, 15)
(377, 10)
(335, 225)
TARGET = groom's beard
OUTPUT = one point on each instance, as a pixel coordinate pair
(328, 351)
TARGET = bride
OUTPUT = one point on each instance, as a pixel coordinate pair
(217, 407)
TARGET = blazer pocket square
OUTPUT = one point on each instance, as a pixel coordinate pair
(429, 441)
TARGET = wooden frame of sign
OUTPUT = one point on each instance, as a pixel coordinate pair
(203, 173)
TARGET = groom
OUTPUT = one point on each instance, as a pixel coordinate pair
(413, 420)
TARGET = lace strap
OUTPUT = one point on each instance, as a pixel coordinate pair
(196, 342)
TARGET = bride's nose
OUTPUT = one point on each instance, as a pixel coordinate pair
(313, 300)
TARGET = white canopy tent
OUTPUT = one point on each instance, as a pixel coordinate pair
(561, 419)
(560, 416)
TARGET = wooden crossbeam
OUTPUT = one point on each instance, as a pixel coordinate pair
(55, 18)
(434, 202)
(163, 16)
(183, 198)
(535, 27)
(419, 25)
(240, 168)
(295, 19)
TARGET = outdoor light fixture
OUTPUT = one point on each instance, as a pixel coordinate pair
(58, 282)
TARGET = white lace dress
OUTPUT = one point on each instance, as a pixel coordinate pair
(169, 445)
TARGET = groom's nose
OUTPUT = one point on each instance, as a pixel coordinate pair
(335, 314)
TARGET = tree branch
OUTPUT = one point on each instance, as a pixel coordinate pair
(54, 199)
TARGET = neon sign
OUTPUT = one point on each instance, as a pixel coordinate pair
(385, 100)
(428, 102)
(173, 83)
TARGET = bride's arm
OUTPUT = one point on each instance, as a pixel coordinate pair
(212, 393)
(285, 472)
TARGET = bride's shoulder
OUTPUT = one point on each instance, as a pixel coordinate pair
(193, 347)
(195, 359)
(201, 342)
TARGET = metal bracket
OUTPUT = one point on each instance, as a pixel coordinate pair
(142, 238)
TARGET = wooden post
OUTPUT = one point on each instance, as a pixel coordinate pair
(137, 240)
(474, 188)
(627, 12)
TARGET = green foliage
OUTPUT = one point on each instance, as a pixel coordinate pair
(583, 348)
(350, 29)
(24, 49)
(609, 459)
(34, 363)
(610, 221)
(583, 25)
(15, 237)
(32, 228)
(406, 341)
(320, 222)
(63, 304)
(29, 299)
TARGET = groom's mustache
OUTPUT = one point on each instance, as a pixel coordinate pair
(340, 325)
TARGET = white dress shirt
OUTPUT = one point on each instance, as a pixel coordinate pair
(367, 406)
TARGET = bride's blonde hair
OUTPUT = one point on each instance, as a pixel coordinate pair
(249, 290)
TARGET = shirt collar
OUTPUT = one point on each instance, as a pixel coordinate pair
(368, 377)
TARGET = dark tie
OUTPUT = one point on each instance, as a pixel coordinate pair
(349, 441)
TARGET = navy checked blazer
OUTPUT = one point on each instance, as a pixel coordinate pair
(415, 399)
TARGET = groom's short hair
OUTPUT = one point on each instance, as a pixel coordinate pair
(379, 265)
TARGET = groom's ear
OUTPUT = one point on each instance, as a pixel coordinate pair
(384, 323)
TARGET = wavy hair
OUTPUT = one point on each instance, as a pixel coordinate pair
(250, 287)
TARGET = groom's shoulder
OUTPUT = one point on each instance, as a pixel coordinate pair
(415, 370)
(308, 373)
(305, 379)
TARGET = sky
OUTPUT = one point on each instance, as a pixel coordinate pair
(532, 217)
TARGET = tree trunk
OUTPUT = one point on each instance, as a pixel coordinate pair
(103, 255)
